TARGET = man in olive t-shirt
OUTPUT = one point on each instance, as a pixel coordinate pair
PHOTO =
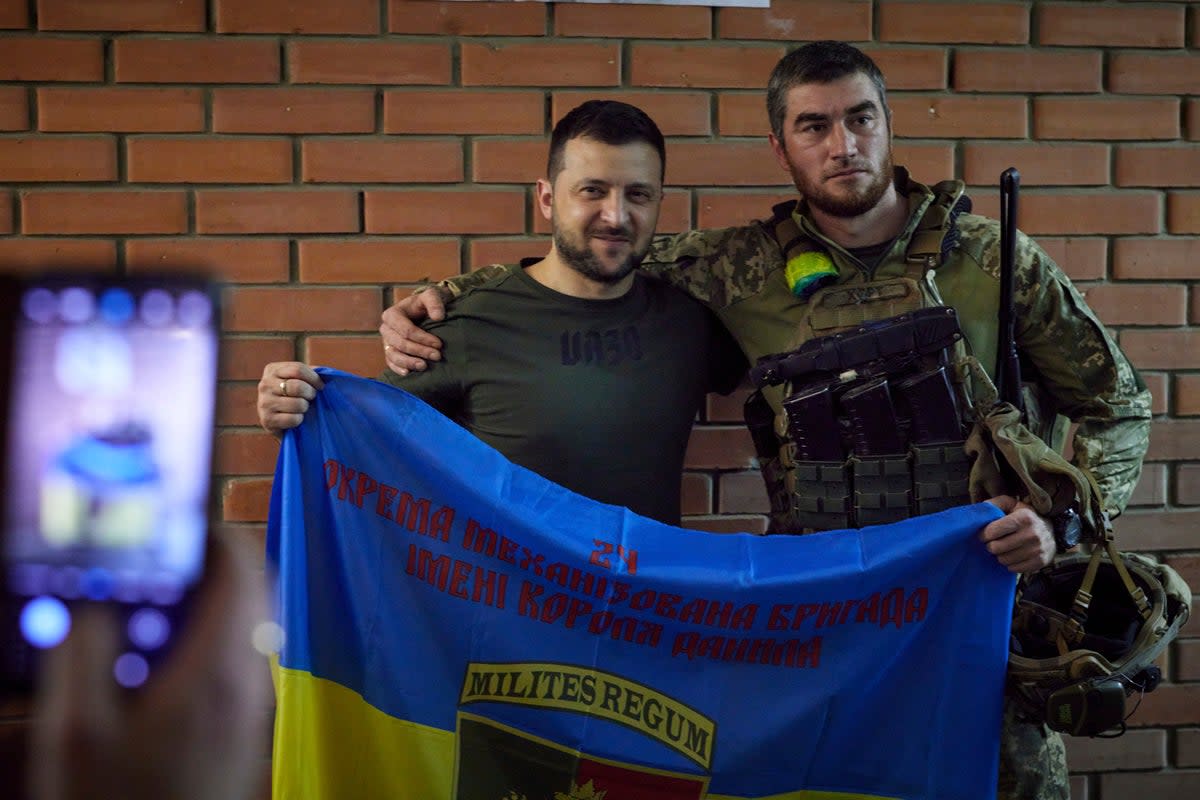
(574, 365)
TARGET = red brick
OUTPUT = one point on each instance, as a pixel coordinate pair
(467, 19)
(719, 448)
(727, 523)
(120, 109)
(377, 261)
(1027, 71)
(297, 16)
(74, 159)
(1187, 395)
(742, 493)
(912, 67)
(293, 110)
(1194, 314)
(695, 493)
(709, 65)
(249, 309)
(137, 60)
(1188, 567)
(121, 15)
(508, 161)
(1154, 73)
(1158, 165)
(1169, 704)
(1074, 213)
(360, 355)
(1132, 304)
(1044, 164)
(463, 112)
(390, 160)
(245, 453)
(951, 117)
(790, 20)
(1174, 440)
(1157, 530)
(1187, 744)
(1151, 489)
(727, 408)
(326, 61)
(1110, 26)
(1137, 749)
(1178, 349)
(644, 22)
(721, 209)
(1105, 118)
(208, 160)
(14, 14)
(242, 358)
(674, 217)
(481, 252)
(19, 253)
(1083, 259)
(1189, 669)
(983, 23)
(237, 404)
(675, 113)
(103, 212)
(722, 164)
(14, 108)
(540, 64)
(928, 163)
(742, 114)
(445, 211)
(1187, 478)
(1183, 212)
(235, 260)
(1193, 118)
(282, 211)
(6, 212)
(51, 58)
(246, 500)
(1156, 382)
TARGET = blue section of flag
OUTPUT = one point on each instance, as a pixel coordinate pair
(898, 633)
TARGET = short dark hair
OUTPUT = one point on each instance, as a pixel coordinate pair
(608, 121)
(819, 62)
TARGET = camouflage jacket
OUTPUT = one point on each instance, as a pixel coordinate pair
(1065, 350)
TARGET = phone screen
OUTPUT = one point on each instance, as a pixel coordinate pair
(108, 456)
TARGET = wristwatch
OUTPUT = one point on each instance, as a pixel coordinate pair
(1067, 529)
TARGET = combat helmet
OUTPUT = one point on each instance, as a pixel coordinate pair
(1085, 634)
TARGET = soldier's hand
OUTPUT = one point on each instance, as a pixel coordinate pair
(1021, 540)
(405, 345)
(284, 393)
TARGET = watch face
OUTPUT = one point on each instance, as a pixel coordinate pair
(1067, 529)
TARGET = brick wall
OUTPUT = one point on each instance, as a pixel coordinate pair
(328, 156)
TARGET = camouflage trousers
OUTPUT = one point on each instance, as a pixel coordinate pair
(1033, 761)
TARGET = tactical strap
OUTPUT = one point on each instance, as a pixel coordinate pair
(1072, 631)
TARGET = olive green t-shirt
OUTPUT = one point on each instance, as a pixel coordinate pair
(596, 395)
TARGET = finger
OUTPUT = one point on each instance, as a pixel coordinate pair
(293, 371)
(401, 334)
(77, 699)
(1004, 502)
(402, 364)
(433, 304)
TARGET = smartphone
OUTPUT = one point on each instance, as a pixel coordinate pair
(108, 433)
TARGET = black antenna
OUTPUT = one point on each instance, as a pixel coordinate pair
(1008, 366)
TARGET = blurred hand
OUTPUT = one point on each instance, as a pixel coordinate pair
(195, 731)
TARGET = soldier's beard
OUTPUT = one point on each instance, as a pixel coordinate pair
(584, 261)
(848, 203)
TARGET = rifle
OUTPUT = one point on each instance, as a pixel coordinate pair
(1008, 365)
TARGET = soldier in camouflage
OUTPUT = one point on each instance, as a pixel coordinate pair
(858, 249)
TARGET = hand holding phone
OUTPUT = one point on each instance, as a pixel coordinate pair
(109, 427)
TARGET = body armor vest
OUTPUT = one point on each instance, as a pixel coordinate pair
(873, 423)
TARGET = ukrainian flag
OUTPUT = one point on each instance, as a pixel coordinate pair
(459, 627)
